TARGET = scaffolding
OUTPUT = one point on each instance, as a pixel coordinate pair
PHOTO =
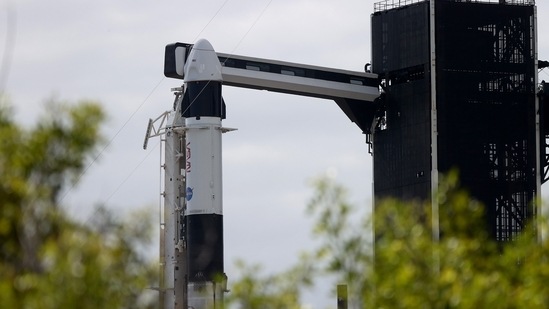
(485, 104)
(393, 4)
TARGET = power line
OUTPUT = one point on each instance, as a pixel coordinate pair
(121, 184)
(130, 174)
(252, 26)
(237, 44)
(133, 114)
(154, 89)
(211, 19)
(109, 143)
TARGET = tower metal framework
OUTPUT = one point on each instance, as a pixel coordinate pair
(458, 93)
(461, 94)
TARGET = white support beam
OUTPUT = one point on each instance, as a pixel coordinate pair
(299, 79)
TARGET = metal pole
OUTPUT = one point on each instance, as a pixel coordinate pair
(342, 296)
(174, 255)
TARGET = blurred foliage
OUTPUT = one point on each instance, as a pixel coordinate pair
(254, 290)
(47, 259)
(407, 267)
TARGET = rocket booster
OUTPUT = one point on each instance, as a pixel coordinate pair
(203, 109)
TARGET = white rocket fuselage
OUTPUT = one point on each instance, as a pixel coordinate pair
(204, 215)
(203, 110)
(203, 152)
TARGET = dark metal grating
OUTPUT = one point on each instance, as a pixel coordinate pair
(394, 4)
(402, 160)
(485, 104)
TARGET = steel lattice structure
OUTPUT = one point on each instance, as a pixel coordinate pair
(460, 94)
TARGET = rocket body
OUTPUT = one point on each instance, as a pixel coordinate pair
(203, 110)
(204, 217)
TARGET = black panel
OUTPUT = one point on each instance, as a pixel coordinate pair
(544, 106)
(544, 127)
(402, 144)
(402, 157)
(485, 99)
(486, 107)
(170, 59)
(205, 247)
(400, 38)
(203, 98)
(360, 112)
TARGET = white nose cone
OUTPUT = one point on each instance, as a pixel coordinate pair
(202, 64)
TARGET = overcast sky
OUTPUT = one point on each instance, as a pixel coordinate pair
(112, 52)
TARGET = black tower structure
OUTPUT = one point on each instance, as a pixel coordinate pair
(460, 82)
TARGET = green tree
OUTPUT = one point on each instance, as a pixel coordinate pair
(47, 259)
(255, 290)
(464, 269)
(406, 268)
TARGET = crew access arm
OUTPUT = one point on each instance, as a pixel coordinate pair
(354, 92)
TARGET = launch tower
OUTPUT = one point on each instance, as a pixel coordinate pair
(460, 81)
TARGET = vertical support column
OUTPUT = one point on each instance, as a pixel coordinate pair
(169, 221)
(162, 270)
(541, 210)
(181, 269)
(174, 248)
(434, 129)
(342, 296)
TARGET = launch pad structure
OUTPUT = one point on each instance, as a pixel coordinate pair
(444, 92)
(460, 94)
(192, 265)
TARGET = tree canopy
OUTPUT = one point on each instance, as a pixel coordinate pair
(48, 259)
(406, 268)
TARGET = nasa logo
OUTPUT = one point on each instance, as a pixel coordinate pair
(188, 158)
(189, 194)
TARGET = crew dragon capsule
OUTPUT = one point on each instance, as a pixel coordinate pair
(203, 108)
